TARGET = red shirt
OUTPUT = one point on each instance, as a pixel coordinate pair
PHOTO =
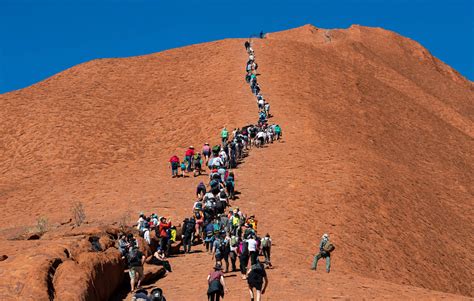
(190, 152)
(215, 275)
(174, 159)
(163, 227)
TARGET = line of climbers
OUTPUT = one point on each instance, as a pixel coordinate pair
(226, 234)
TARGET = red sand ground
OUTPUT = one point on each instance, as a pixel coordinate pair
(378, 152)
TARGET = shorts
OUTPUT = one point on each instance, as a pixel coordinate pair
(256, 285)
(132, 272)
(219, 257)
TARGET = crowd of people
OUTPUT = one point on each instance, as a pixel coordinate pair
(228, 235)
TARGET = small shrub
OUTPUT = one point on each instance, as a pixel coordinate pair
(124, 221)
(78, 213)
(42, 225)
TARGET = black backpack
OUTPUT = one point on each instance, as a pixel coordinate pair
(223, 247)
(134, 257)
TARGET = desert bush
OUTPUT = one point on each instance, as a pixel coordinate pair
(78, 213)
(42, 225)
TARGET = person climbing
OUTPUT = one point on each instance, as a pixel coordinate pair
(243, 258)
(216, 284)
(253, 250)
(174, 165)
(224, 136)
(247, 45)
(188, 231)
(136, 259)
(267, 109)
(183, 168)
(257, 279)
(278, 133)
(206, 152)
(200, 190)
(189, 157)
(230, 186)
(197, 164)
(262, 35)
(325, 249)
(218, 248)
(266, 244)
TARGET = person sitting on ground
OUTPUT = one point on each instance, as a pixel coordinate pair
(266, 249)
(158, 258)
(257, 279)
(136, 259)
(324, 252)
(216, 284)
(174, 165)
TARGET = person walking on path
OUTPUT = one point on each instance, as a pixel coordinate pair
(224, 135)
(188, 157)
(216, 284)
(324, 252)
(174, 164)
(266, 249)
(136, 259)
(257, 279)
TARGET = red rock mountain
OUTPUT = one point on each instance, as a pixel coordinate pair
(378, 151)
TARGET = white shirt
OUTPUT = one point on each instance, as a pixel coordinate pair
(252, 245)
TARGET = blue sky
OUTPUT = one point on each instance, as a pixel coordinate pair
(39, 38)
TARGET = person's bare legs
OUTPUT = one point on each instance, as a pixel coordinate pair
(259, 295)
(140, 276)
(251, 293)
(132, 283)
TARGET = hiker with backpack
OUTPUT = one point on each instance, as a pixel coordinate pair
(216, 284)
(197, 164)
(188, 231)
(257, 279)
(200, 190)
(219, 246)
(174, 165)
(183, 168)
(325, 249)
(266, 244)
(136, 259)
